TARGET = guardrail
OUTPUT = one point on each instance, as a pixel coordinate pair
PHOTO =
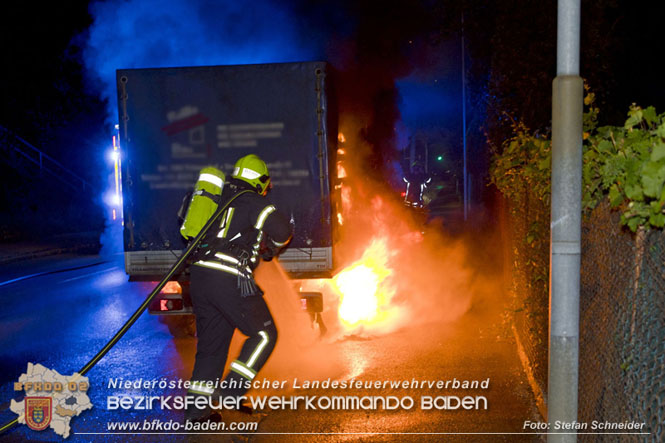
(45, 162)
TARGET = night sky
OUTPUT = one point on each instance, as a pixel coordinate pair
(400, 61)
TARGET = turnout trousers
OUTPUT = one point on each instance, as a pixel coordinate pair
(219, 310)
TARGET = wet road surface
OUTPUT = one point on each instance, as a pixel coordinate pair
(62, 319)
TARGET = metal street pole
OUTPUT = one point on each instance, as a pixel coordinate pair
(567, 108)
(464, 175)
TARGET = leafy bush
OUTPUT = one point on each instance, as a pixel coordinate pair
(625, 164)
(524, 162)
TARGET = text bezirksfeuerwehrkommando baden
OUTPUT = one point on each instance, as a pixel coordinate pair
(321, 401)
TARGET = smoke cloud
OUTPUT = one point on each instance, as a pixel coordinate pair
(370, 44)
(426, 276)
(154, 33)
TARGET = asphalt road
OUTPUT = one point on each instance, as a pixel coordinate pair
(61, 319)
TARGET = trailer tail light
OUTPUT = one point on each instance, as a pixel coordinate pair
(170, 304)
(173, 299)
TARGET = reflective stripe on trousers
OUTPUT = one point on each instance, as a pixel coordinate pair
(245, 369)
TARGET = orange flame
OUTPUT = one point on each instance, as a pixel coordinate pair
(341, 172)
(346, 198)
(366, 290)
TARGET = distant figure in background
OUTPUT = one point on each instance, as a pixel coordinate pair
(416, 182)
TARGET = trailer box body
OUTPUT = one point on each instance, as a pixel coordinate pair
(175, 121)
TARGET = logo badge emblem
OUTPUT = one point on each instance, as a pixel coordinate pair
(38, 412)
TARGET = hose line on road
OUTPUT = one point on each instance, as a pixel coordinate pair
(174, 269)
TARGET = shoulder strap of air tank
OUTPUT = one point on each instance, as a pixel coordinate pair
(217, 198)
(223, 205)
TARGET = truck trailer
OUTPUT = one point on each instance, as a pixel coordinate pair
(175, 121)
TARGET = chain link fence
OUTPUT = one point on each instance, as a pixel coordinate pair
(622, 326)
(622, 314)
(528, 257)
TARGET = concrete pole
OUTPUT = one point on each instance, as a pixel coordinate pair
(567, 99)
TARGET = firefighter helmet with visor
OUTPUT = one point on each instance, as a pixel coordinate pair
(254, 171)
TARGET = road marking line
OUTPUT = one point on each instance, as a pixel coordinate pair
(88, 275)
(25, 277)
(39, 274)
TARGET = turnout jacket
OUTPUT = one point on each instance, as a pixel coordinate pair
(249, 229)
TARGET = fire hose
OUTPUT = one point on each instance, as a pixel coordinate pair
(128, 324)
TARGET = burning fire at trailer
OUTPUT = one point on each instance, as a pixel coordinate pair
(397, 271)
(365, 289)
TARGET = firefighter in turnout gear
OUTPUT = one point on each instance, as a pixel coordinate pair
(224, 294)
